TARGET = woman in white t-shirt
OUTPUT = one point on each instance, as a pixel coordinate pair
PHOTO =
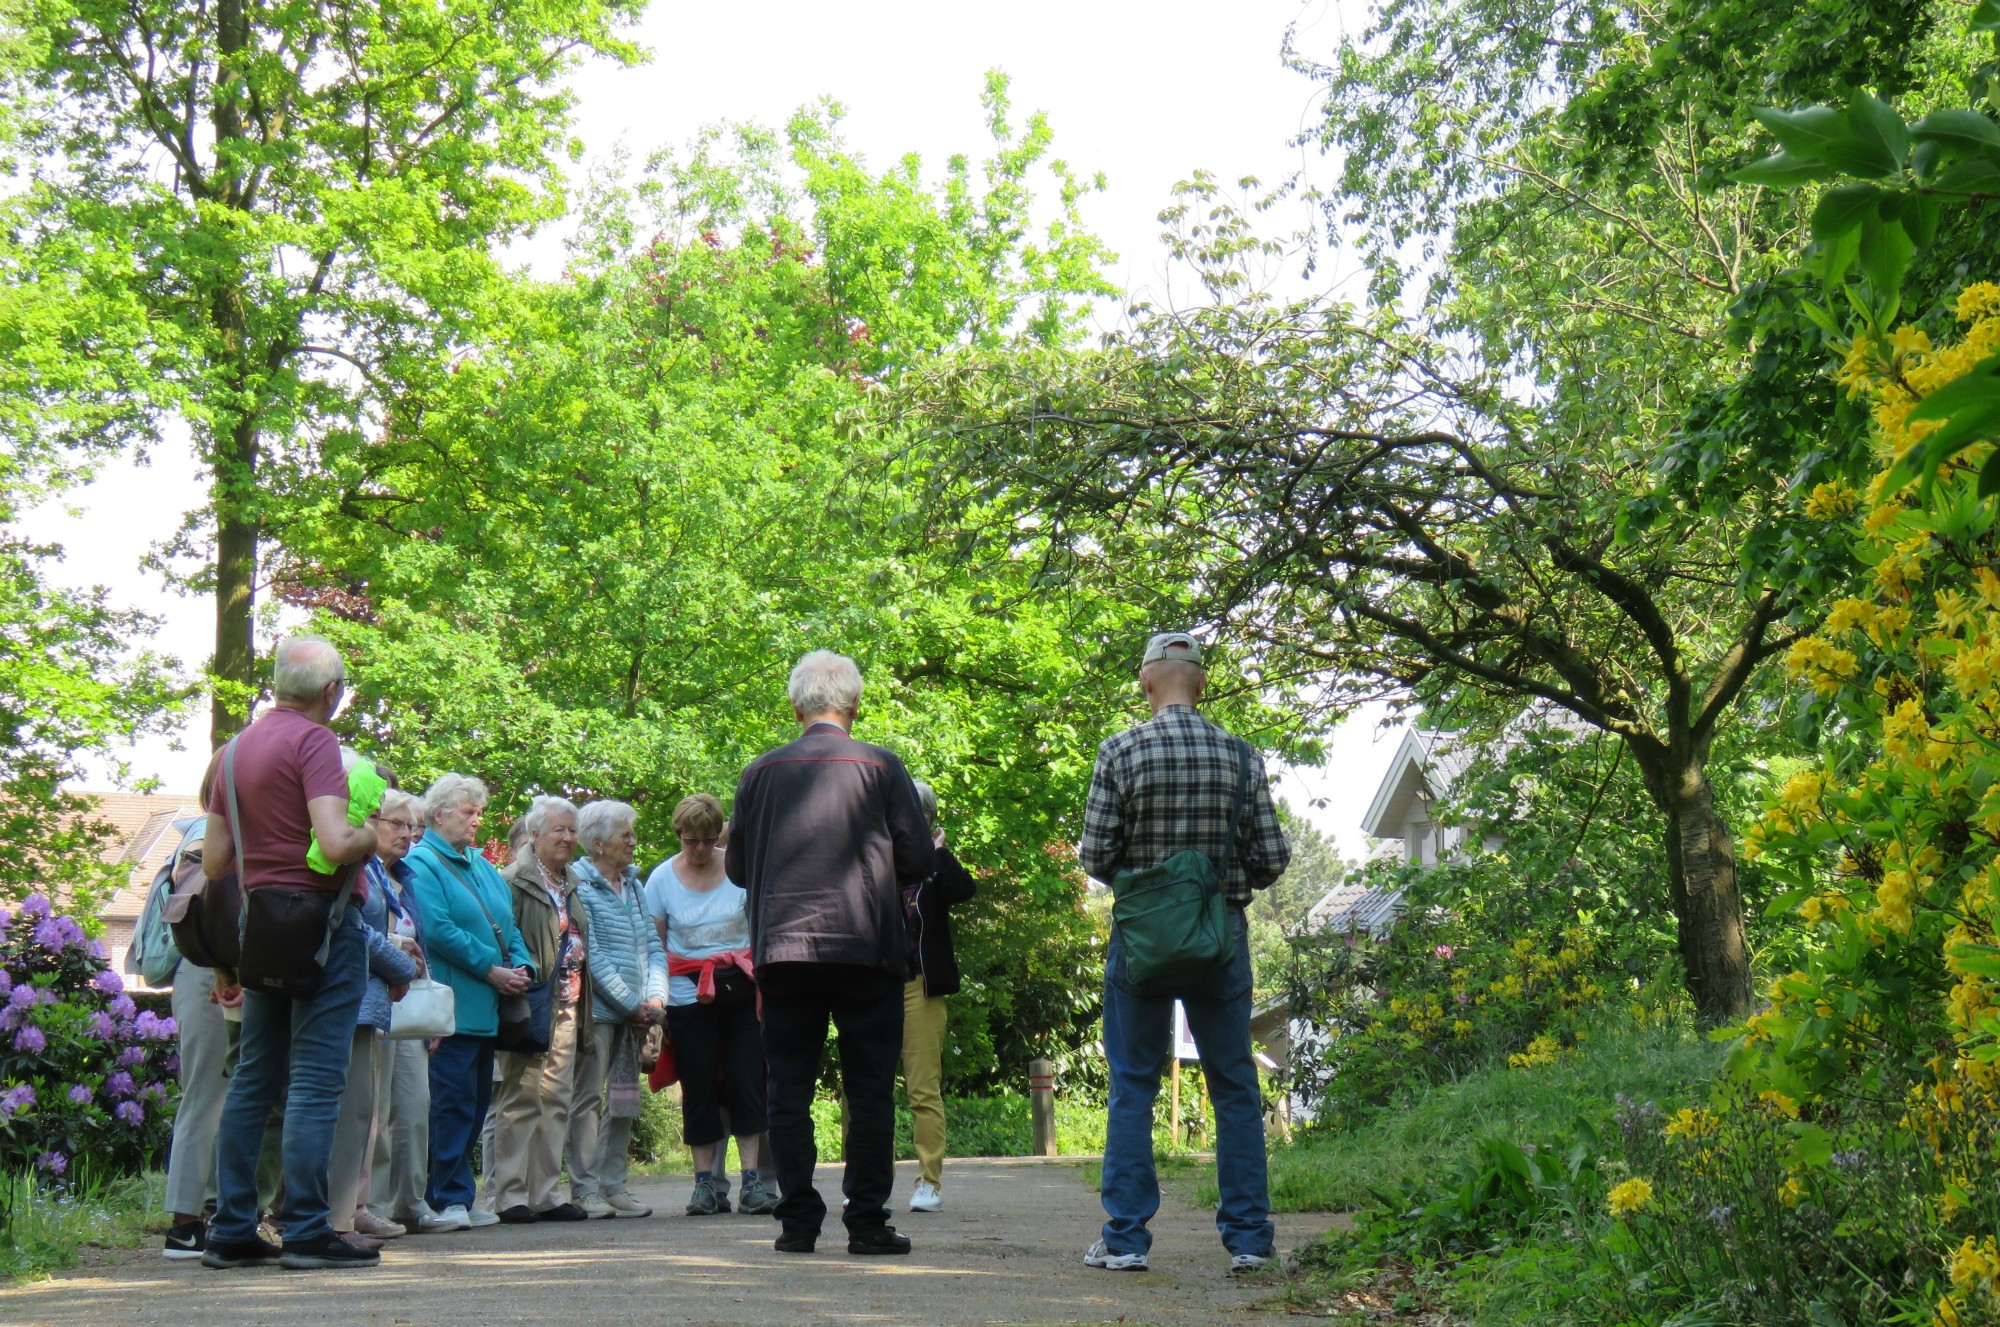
(711, 1008)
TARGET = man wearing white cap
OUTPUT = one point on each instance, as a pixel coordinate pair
(1163, 792)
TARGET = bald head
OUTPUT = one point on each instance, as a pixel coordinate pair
(304, 668)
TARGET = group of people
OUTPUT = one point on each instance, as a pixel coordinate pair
(322, 1129)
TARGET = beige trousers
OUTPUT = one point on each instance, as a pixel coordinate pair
(531, 1119)
(353, 1132)
(923, 1076)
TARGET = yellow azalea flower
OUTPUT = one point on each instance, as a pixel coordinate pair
(1791, 1191)
(1632, 1196)
(1830, 501)
(1947, 1313)
(1978, 300)
(1976, 1265)
(1848, 614)
(1779, 1103)
(1691, 1122)
(1909, 340)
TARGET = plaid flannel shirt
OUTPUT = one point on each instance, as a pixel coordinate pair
(1171, 783)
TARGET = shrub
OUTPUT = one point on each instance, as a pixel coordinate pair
(1892, 849)
(1442, 993)
(83, 1071)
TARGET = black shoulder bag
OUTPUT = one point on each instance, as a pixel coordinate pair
(527, 1020)
(287, 929)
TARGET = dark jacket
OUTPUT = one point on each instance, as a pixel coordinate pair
(937, 961)
(536, 917)
(826, 833)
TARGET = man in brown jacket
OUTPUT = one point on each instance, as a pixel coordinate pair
(826, 833)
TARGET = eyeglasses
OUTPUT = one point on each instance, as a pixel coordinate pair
(700, 842)
(407, 826)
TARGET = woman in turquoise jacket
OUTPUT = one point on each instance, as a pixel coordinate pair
(473, 946)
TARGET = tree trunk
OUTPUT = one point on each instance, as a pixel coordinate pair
(235, 584)
(1701, 876)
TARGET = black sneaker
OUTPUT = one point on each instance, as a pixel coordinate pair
(563, 1212)
(795, 1241)
(520, 1214)
(249, 1253)
(185, 1241)
(884, 1240)
(328, 1252)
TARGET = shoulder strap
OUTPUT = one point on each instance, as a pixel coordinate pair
(1244, 757)
(335, 915)
(499, 940)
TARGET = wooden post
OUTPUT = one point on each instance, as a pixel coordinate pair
(1174, 1118)
(1042, 1105)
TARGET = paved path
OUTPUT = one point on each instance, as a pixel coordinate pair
(1006, 1251)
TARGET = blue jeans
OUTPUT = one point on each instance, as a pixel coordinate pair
(461, 1089)
(1138, 1037)
(303, 1044)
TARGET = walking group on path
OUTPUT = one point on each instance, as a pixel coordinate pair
(396, 1002)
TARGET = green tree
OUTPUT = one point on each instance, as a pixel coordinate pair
(586, 561)
(302, 201)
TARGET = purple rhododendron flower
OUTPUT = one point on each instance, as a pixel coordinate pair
(21, 997)
(109, 982)
(131, 1112)
(55, 1163)
(102, 1026)
(168, 1027)
(16, 1099)
(6, 981)
(97, 951)
(118, 1084)
(147, 1024)
(35, 905)
(81, 1095)
(122, 1007)
(30, 1040)
(173, 1065)
(154, 1092)
(131, 1057)
(49, 934)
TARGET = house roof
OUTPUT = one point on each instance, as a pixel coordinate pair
(1347, 908)
(143, 841)
(1425, 765)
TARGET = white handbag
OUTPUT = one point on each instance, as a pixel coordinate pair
(427, 1011)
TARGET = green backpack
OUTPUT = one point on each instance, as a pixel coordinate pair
(1172, 919)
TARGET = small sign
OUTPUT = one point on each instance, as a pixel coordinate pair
(1184, 1047)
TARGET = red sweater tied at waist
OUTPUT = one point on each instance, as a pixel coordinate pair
(703, 970)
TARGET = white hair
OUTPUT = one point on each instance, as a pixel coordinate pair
(599, 820)
(927, 799)
(395, 800)
(539, 811)
(304, 667)
(449, 791)
(824, 681)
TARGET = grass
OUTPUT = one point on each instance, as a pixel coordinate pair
(46, 1230)
(1329, 1172)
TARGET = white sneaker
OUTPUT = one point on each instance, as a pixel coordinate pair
(1099, 1256)
(594, 1206)
(454, 1217)
(624, 1204)
(1248, 1262)
(479, 1216)
(926, 1198)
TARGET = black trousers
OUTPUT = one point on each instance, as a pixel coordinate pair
(721, 1060)
(866, 1008)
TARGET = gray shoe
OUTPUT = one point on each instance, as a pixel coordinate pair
(756, 1200)
(706, 1201)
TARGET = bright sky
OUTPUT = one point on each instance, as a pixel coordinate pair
(1147, 93)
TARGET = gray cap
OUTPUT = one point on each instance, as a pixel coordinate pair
(1172, 645)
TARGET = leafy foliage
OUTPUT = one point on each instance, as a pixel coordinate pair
(86, 1078)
